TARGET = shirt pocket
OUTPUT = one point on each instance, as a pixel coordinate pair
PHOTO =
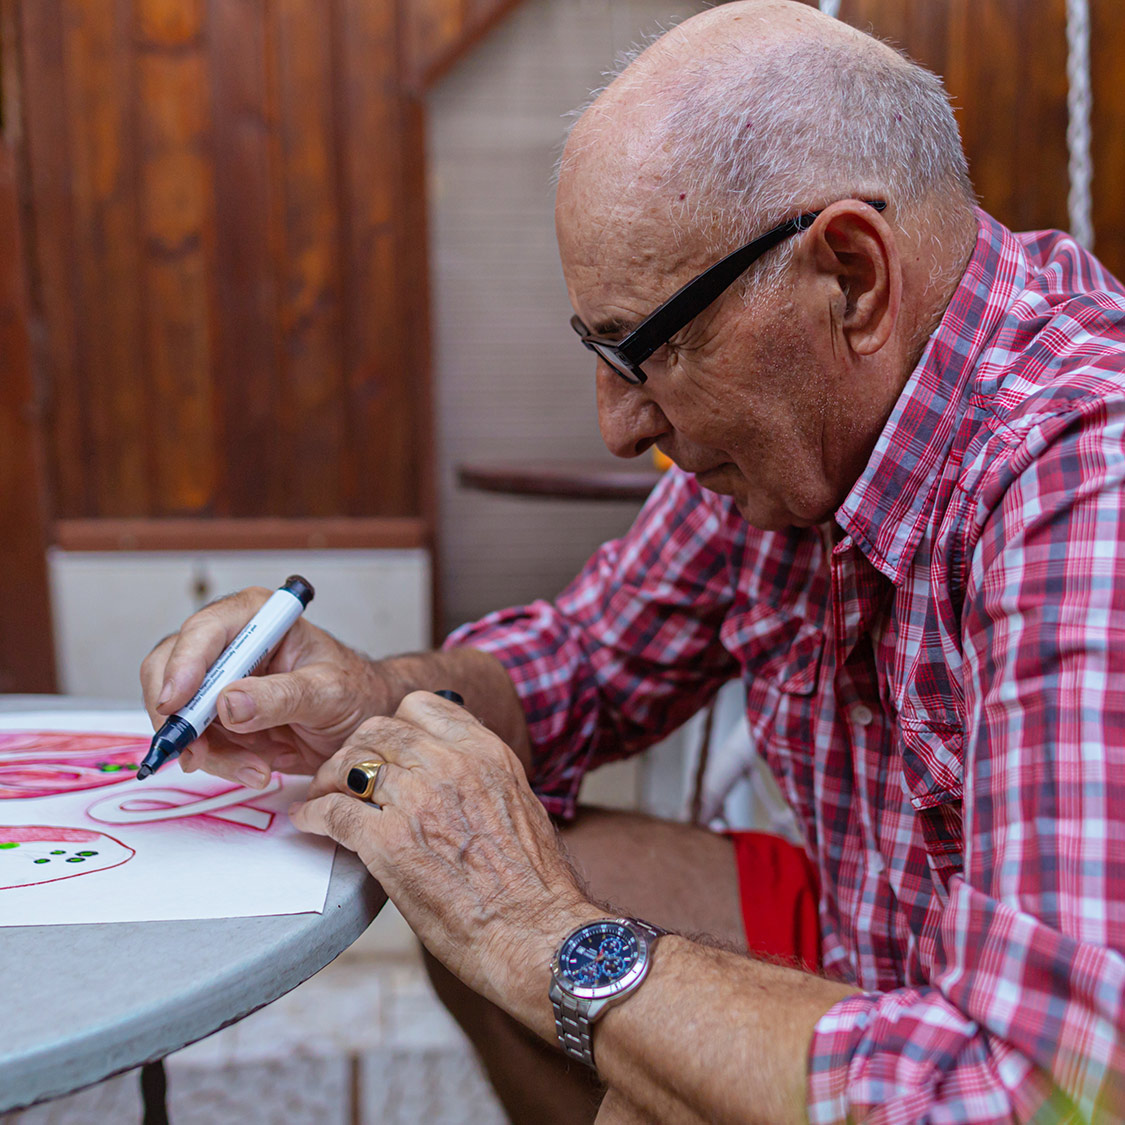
(932, 780)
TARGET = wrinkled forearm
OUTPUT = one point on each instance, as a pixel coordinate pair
(715, 1035)
(710, 1036)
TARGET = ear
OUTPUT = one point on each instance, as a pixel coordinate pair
(856, 258)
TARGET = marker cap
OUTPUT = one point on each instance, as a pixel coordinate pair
(300, 588)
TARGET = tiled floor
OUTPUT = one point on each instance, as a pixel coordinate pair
(362, 1043)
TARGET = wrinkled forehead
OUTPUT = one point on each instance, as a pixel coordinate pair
(624, 216)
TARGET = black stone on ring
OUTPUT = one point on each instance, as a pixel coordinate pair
(363, 778)
(451, 695)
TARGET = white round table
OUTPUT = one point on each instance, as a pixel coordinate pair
(81, 1003)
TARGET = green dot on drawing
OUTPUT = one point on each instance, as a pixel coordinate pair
(58, 851)
(76, 859)
(10, 844)
(42, 861)
(85, 853)
(109, 767)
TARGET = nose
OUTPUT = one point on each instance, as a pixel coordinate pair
(629, 420)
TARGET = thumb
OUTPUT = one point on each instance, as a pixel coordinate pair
(299, 698)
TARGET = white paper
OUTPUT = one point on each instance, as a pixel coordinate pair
(81, 840)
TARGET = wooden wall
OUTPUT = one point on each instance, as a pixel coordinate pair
(218, 254)
(26, 651)
(214, 304)
(227, 257)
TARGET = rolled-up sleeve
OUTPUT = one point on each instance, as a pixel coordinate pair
(1023, 1013)
(628, 651)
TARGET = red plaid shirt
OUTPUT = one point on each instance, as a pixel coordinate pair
(940, 694)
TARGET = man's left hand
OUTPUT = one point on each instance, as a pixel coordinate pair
(461, 845)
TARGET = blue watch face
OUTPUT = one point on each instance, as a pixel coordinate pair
(599, 954)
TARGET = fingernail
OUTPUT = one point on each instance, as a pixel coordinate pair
(295, 806)
(250, 777)
(240, 707)
(165, 693)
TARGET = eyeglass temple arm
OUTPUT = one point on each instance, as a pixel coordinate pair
(691, 299)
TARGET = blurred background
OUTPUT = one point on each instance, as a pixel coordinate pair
(273, 273)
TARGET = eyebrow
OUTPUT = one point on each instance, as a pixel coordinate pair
(615, 326)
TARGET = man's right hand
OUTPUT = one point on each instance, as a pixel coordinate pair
(295, 712)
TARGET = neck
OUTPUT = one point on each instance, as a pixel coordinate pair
(941, 252)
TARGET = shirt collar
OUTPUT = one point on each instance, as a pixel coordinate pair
(886, 511)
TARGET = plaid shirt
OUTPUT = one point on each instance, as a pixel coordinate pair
(956, 659)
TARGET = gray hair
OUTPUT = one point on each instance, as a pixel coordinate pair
(819, 122)
(757, 135)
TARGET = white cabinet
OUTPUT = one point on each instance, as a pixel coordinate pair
(111, 607)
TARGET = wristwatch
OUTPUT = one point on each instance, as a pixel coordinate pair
(597, 966)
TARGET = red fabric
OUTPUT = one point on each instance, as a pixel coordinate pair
(778, 887)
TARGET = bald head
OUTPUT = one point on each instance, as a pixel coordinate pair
(754, 111)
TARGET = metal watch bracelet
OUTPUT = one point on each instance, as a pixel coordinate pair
(573, 1026)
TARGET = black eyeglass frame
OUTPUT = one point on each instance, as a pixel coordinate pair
(626, 356)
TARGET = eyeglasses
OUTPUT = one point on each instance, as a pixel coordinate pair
(626, 356)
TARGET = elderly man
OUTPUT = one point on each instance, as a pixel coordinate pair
(897, 515)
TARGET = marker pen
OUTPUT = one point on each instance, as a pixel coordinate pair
(262, 633)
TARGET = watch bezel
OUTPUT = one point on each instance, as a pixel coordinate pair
(625, 982)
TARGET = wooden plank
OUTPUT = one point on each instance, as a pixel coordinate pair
(101, 89)
(26, 646)
(173, 115)
(310, 415)
(1107, 50)
(246, 336)
(240, 534)
(1014, 107)
(919, 29)
(384, 378)
(52, 277)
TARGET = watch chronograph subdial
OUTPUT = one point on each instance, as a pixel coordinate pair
(611, 946)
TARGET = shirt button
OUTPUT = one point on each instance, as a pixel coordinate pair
(862, 715)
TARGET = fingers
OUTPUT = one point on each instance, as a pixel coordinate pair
(447, 720)
(307, 696)
(426, 731)
(348, 821)
(232, 762)
(378, 740)
(173, 671)
(152, 675)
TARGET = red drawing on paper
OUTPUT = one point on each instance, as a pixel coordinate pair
(54, 763)
(31, 854)
(48, 763)
(152, 804)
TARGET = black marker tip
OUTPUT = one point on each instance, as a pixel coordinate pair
(143, 772)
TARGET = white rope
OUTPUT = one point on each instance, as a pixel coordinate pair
(1079, 101)
(830, 8)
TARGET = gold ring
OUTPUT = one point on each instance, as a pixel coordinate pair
(363, 779)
